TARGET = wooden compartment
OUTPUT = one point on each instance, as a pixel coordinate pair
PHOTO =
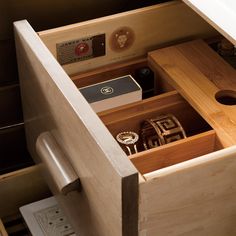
(108, 72)
(200, 139)
(176, 152)
(130, 117)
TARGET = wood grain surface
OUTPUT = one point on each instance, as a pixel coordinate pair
(212, 10)
(3, 231)
(199, 73)
(53, 103)
(193, 198)
(153, 27)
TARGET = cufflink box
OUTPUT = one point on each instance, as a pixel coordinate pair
(112, 93)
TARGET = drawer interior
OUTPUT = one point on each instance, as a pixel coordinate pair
(14, 225)
(201, 138)
(165, 100)
(16, 189)
(108, 72)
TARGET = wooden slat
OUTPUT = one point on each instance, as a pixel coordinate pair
(175, 152)
(108, 72)
(19, 188)
(3, 231)
(196, 197)
(145, 106)
(179, 22)
(198, 74)
(51, 102)
(212, 10)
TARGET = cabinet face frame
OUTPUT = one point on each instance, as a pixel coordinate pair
(106, 175)
(52, 103)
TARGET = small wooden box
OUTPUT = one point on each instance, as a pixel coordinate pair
(182, 188)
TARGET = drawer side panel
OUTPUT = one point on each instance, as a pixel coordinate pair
(152, 26)
(196, 197)
(52, 103)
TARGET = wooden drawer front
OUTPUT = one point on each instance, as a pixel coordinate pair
(56, 106)
(59, 120)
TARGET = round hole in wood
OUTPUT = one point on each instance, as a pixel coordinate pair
(226, 97)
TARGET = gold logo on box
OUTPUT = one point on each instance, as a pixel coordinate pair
(107, 90)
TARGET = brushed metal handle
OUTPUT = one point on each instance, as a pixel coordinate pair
(60, 169)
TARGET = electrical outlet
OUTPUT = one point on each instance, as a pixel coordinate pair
(45, 218)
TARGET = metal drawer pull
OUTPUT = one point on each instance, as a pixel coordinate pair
(55, 161)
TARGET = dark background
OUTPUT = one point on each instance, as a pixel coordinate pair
(41, 14)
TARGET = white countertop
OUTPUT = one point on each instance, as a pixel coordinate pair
(221, 14)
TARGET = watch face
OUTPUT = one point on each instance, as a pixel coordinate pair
(127, 137)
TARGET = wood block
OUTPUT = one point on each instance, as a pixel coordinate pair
(201, 75)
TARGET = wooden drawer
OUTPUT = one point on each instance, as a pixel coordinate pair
(186, 192)
(19, 188)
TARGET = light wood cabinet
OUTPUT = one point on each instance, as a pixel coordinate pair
(182, 188)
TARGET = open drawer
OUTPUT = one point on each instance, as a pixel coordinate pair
(103, 191)
(16, 189)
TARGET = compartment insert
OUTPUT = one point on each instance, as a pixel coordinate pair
(130, 118)
(108, 72)
(175, 152)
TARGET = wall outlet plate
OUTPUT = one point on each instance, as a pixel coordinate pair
(46, 218)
